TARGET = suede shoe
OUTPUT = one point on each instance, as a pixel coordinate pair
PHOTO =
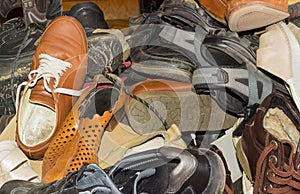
(268, 150)
(57, 73)
(90, 178)
(79, 138)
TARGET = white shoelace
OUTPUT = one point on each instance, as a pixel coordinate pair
(49, 68)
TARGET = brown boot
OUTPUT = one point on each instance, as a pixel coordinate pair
(267, 150)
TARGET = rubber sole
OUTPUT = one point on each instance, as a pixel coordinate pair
(253, 17)
(189, 111)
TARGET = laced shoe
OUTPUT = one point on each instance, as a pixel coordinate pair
(268, 150)
(57, 73)
(246, 15)
(90, 178)
(171, 170)
(79, 137)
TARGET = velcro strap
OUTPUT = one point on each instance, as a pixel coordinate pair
(209, 75)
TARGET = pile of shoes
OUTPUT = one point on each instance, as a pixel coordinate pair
(192, 97)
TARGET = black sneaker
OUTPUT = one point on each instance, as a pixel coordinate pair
(89, 179)
(7, 5)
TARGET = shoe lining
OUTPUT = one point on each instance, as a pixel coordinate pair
(277, 123)
(36, 121)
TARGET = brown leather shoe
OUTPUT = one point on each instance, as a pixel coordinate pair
(268, 150)
(57, 73)
(243, 15)
(177, 104)
(78, 140)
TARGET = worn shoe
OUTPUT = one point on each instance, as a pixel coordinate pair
(177, 104)
(163, 43)
(268, 150)
(79, 137)
(232, 78)
(88, 179)
(7, 5)
(107, 50)
(170, 170)
(36, 11)
(89, 15)
(247, 14)
(57, 73)
(271, 56)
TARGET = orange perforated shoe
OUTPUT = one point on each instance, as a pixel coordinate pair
(79, 138)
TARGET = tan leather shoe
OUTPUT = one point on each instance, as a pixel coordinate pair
(78, 139)
(215, 8)
(57, 73)
(243, 15)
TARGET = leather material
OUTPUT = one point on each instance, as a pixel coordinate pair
(256, 138)
(67, 43)
(79, 138)
(216, 8)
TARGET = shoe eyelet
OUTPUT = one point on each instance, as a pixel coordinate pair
(271, 173)
(273, 159)
(265, 188)
(275, 143)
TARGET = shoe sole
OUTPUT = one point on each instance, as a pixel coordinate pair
(189, 111)
(242, 158)
(250, 17)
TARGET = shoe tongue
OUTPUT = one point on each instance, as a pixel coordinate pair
(40, 96)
